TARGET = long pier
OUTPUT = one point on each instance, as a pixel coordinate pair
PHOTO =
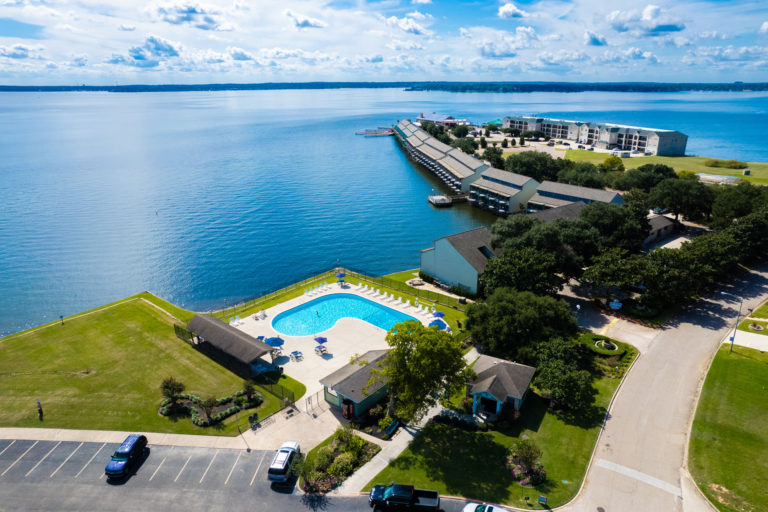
(381, 131)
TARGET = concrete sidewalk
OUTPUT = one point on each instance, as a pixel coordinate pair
(391, 451)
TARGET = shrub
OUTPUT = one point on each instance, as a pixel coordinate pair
(343, 465)
(323, 458)
(355, 446)
(377, 411)
(455, 421)
(466, 405)
(343, 435)
(385, 422)
(728, 164)
(426, 277)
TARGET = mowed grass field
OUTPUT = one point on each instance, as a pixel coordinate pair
(471, 464)
(729, 439)
(103, 369)
(759, 170)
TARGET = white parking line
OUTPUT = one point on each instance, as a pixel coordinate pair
(182, 468)
(643, 477)
(257, 468)
(239, 453)
(17, 460)
(159, 466)
(65, 460)
(209, 466)
(41, 460)
(2, 452)
(90, 460)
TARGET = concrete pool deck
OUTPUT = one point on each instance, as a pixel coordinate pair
(349, 336)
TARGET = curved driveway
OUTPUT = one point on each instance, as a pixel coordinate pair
(640, 459)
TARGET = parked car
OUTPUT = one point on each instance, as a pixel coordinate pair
(280, 469)
(482, 507)
(567, 144)
(580, 146)
(551, 143)
(591, 148)
(403, 497)
(126, 456)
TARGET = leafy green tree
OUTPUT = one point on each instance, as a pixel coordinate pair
(504, 143)
(713, 254)
(691, 198)
(671, 277)
(617, 225)
(534, 164)
(644, 177)
(487, 132)
(466, 144)
(494, 156)
(207, 406)
(171, 389)
(688, 175)
(526, 269)
(248, 390)
(568, 386)
(527, 452)
(583, 174)
(460, 131)
(510, 323)
(522, 141)
(512, 142)
(732, 202)
(483, 143)
(492, 127)
(423, 364)
(615, 268)
(613, 163)
(749, 231)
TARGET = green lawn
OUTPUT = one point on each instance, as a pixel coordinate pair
(471, 464)
(729, 439)
(744, 326)
(404, 276)
(761, 312)
(102, 370)
(679, 163)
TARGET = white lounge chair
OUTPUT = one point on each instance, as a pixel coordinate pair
(262, 314)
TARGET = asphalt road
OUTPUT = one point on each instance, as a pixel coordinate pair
(61, 476)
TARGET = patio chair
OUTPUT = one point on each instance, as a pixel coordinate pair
(262, 314)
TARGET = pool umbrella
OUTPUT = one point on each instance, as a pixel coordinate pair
(341, 275)
(274, 342)
(321, 339)
(438, 314)
(439, 323)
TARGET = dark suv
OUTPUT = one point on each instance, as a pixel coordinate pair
(126, 456)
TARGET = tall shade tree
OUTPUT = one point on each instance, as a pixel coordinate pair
(509, 323)
(526, 269)
(617, 224)
(691, 198)
(644, 177)
(732, 202)
(172, 388)
(534, 164)
(615, 268)
(424, 363)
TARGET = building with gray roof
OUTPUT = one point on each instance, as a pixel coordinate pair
(229, 346)
(501, 192)
(460, 259)
(350, 388)
(498, 382)
(652, 141)
(551, 194)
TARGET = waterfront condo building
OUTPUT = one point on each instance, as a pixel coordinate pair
(551, 194)
(605, 135)
(501, 192)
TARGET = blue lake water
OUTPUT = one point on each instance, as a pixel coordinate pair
(321, 314)
(204, 197)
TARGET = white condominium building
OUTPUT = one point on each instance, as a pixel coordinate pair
(605, 135)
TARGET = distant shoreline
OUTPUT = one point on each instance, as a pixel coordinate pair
(490, 87)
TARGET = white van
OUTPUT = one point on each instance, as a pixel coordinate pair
(279, 470)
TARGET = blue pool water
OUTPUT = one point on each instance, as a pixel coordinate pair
(321, 314)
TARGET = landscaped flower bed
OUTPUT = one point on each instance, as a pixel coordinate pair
(330, 463)
(195, 407)
(375, 422)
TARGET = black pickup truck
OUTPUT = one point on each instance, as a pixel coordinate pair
(403, 497)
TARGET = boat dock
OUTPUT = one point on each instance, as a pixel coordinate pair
(443, 201)
(381, 131)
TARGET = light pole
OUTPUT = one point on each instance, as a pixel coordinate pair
(237, 419)
(738, 316)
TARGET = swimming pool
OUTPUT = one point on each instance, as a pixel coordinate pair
(321, 314)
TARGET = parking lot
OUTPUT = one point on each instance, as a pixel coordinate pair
(64, 475)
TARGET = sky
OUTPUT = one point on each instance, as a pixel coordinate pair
(106, 42)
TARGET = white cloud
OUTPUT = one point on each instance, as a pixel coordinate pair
(711, 34)
(508, 44)
(594, 39)
(630, 54)
(421, 2)
(557, 61)
(418, 15)
(466, 34)
(718, 56)
(20, 51)
(79, 61)
(194, 15)
(652, 21)
(399, 45)
(408, 25)
(510, 10)
(151, 54)
(300, 21)
(126, 27)
(763, 28)
(239, 54)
